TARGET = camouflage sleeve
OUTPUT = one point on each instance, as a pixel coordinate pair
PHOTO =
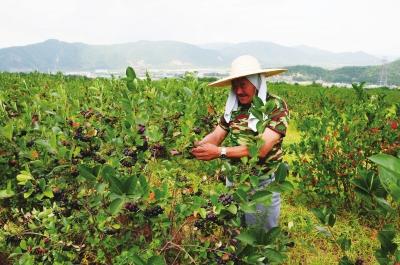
(224, 125)
(279, 118)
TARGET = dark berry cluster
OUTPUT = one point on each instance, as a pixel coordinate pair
(141, 129)
(197, 130)
(80, 135)
(128, 162)
(158, 151)
(200, 224)
(110, 120)
(30, 143)
(207, 224)
(74, 171)
(99, 159)
(225, 199)
(227, 257)
(144, 146)
(87, 114)
(86, 152)
(132, 207)
(153, 211)
(130, 152)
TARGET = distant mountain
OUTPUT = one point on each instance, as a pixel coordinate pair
(272, 55)
(54, 55)
(349, 74)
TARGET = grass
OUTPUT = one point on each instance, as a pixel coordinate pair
(312, 247)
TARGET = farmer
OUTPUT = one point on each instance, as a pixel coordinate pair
(248, 80)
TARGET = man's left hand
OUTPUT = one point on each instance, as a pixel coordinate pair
(206, 151)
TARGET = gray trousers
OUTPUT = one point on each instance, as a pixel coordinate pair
(266, 217)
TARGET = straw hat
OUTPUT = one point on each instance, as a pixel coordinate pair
(243, 66)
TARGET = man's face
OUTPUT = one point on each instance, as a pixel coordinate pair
(244, 90)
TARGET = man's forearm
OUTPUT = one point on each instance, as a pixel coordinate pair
(210, 138)
(242, 150)
(237, 151)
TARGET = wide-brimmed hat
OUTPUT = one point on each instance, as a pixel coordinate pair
(243, 66)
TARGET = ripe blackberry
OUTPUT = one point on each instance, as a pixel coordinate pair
(74, 171)
(95, 147)
(74, 161)
(158, 151)
(99, 159)
(110, 120)
(212, 217)
(129, 152)
(40, 251)
(128, 162)
(359, 261)
(291, 244)
(200, 224)
(58, 195)
(87, 113)
(132, 207)
(79, 135)
(225, 199)
(22, 133)
(197, 130)
(153, 212)
(86, 152)
(144, 146)
(12, 163)
(141, 129)
(30, 143)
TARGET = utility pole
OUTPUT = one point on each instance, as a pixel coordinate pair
(383, 76)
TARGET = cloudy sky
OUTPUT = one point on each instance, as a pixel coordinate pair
(340, 25)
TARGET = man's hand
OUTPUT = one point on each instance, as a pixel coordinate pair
(206, 151)
(198, 143)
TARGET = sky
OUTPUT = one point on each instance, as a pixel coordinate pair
(336, 25)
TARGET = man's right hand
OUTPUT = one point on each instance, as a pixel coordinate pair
(198, 143)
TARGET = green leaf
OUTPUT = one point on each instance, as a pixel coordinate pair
(23, 245)
(86, 172)
(202, 213)
(387, 161)
(7, 131)
(248, 207)
(232, 209)
(6, 194)
(48, 193)
(281, 172)
(130, 185)
(116, 205)
(144, 184)
(275, 257)
(107, 171)
(344, 243)
(385, 237)
(345, 261)
(138, 260)
(156, 260)
(130, 73)
(247, 238)
(262, 196)
(257, 102)
(272, 235)
(28, 193)
(23, 177)
(116, 185)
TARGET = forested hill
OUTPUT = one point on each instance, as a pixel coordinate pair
(349, 74)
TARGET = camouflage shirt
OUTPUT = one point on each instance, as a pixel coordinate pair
(241, 134)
